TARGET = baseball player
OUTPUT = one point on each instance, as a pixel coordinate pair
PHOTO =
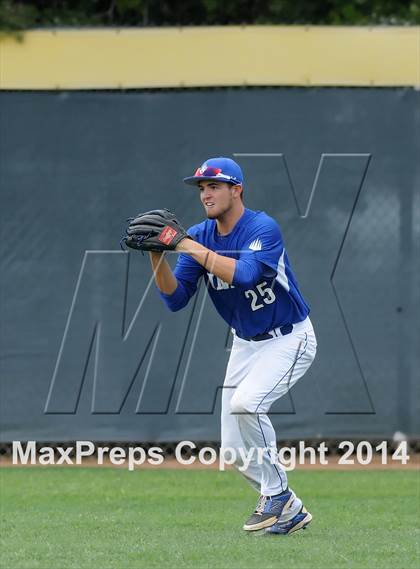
(241, 256)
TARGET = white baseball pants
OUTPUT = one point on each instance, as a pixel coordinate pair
(259, 373)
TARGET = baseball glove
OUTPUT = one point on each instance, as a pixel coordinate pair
(156, 230)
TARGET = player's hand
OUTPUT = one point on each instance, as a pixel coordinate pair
(157, 230)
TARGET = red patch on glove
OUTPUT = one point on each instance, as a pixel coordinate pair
(168, 233)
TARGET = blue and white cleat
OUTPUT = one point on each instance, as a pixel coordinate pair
(300, 521)
(268, 510)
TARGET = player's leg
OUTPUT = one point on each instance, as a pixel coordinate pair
(280, 363)
(240, 363)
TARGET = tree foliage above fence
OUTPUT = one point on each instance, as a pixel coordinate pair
(18, 15)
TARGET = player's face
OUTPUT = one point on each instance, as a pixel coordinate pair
(216, 197)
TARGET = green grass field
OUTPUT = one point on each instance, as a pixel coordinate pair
(111, 518)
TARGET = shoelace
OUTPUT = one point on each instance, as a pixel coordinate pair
(259, 508)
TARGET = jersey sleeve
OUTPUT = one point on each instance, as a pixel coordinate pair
(261, 250)
(187, 273)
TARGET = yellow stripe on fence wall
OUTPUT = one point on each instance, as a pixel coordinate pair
(211, 56)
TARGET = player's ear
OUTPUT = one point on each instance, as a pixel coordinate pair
(237, 190)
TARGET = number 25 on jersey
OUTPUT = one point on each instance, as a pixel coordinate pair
(265, 294)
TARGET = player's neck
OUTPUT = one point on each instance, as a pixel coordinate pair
(227, 221)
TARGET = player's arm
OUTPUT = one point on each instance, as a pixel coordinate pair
(178, 286)
(243, 273)
(158, 231)
(251, 266)
(219, 265)
(164, 277)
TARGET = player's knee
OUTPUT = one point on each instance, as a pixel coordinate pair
(241, 403)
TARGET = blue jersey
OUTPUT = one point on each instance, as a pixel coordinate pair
(264, 293)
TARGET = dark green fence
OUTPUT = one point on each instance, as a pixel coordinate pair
(89, 351)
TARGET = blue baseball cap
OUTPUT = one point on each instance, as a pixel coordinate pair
(220, 169)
